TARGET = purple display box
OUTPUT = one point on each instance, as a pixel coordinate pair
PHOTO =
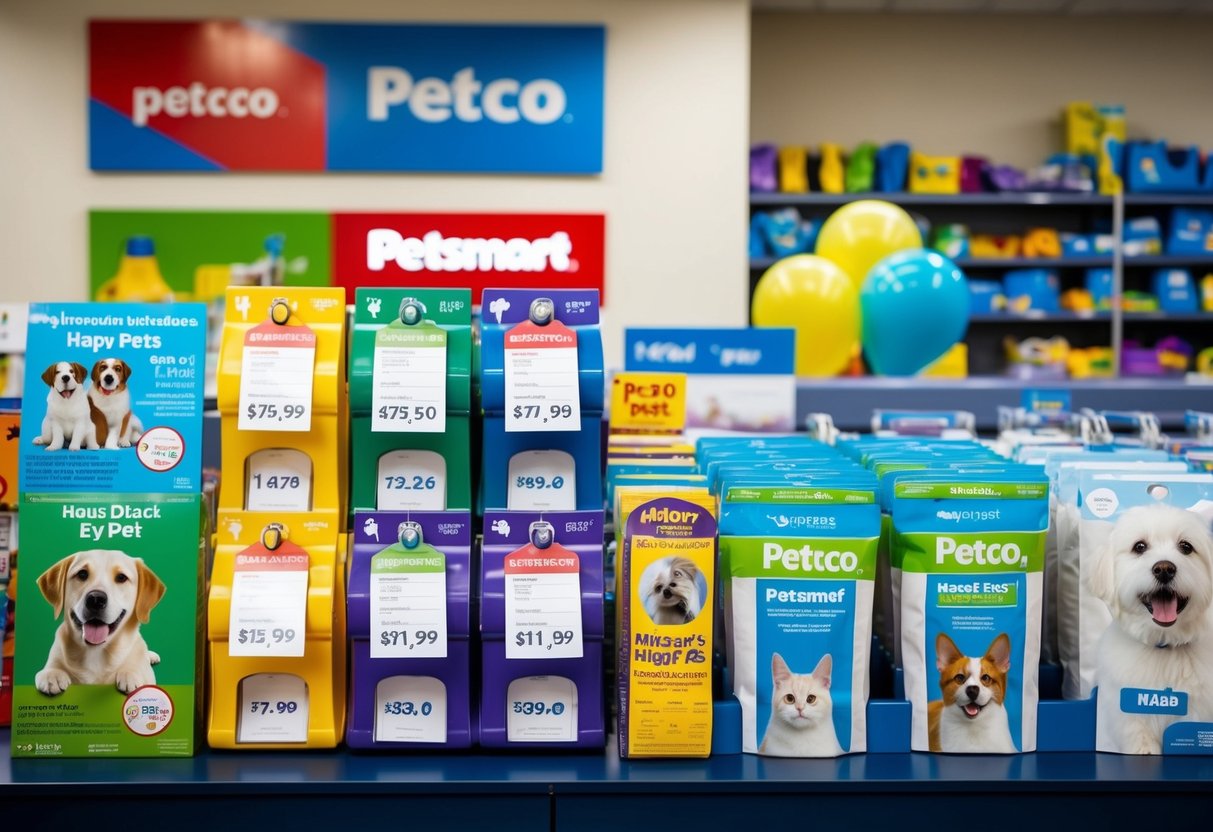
(451, 533)
(504, 533)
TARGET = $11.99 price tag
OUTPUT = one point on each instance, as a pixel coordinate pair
(408, 603)
(543, 603)
(276, 375)
(269, 602)
(408, 385)
(542, 391)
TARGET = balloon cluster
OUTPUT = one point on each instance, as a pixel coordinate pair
(871, 283)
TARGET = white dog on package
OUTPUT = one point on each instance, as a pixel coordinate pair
(67, 417)
(1156, 576)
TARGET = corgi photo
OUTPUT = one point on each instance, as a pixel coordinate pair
(110, 405)
(671, 591)
(103, 596)
(802, 712)
(1156, 576)
(971, 717)
(67, 418)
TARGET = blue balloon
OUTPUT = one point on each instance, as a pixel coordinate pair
(915, 306)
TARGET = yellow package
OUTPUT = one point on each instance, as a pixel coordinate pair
(833, 174)
(934, 174)
(793, 170)
(627, 498)
(665, 630)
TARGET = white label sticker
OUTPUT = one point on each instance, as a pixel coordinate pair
(273, 708)
(541, 709)
(1102, 502)
(276, 374)
(269, 602)
(542, 481)
(408, 603)
(279, 479)
(542, 603)
(541, 382)
(8, 542)
(411, 480)
(408, 386)
(410, 709)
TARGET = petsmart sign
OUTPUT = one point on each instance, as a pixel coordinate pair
(476, 251)
(266, 95)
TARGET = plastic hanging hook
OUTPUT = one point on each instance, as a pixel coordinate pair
(409, 534)
(280, 311)
(542, 534)
(273, 535)
(543, 311)
(412, 311)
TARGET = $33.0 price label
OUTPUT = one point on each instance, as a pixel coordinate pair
(273, 708)
(269, 602)
(279, 479)
(408, 603)
(410, 709)
(542, 481)
(276, 373)
(542, 386)
(408, 388)
(543, 603)
(541, 709)
(411, 480)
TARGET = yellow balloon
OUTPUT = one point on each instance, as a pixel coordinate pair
(860, 234)
(818, 300)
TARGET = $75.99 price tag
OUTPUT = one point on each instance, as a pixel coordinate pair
(542, 387)
(543, 603)
(269, 602)
(277, 367)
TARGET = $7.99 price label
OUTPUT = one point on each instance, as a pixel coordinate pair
(543, 604)
(269, 602)
(542, 386)
(277, 367)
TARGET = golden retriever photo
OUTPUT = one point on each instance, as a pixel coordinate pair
(103, 595)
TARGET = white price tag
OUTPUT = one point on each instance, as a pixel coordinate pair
(541, 709)
(543, 603)
(269, 602)
(279, 479)
(541, 381)
(8, 542)
(410, 709)
(408, 603)
(276, 374)
(273, 708)
(542, 481)
(408, 385)
(411, 480)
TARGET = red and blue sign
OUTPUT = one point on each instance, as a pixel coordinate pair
(270, 96)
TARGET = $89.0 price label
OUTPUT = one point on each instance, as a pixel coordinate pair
(277, 367)
(542, 481)
(410, 709)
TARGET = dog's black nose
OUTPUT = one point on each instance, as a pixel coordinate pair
(108, 379)
(65, 376)
(1163, 571)
(665, 593)
(973, 691)
(95, 600)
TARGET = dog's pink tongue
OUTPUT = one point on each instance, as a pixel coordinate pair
(1166, 608)
(95, 633)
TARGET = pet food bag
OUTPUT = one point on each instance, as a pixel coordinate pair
(972, 558)
(802, 564)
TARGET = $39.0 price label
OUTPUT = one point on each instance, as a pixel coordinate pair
(273, 708)
(276, 373)
(269, 602)
(543, 603)
(408, 603)
(541, 709)
(410, 709)
(408, 389)
(411, 480)
(542, 390)
(279, 479)
(542, 481)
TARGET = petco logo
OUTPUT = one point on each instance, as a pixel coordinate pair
(979, 552)
(808, 559)
(433, 100)
(664, 352)
(200, 101)
(435, 253)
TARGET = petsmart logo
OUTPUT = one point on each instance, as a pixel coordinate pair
(664, 352)
(435, 253)
(199, 101)
(433, 100)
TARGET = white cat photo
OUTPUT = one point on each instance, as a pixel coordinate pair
(802, 712)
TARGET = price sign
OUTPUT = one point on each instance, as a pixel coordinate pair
(279, 479)
(410, 709)
(269, 602)
(411, 480)
(276, 374)
(649, 402)
(408, 603)
(408, 393)
(541, 383)
(541, 709)
(273, 708)
(542, 481)
(543, 603)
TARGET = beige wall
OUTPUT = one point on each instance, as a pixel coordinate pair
(674, 188)
(993, 84)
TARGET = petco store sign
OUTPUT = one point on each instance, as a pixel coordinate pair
(548, 251)
(263, 95)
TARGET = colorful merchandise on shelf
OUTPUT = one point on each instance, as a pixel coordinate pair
(991, 246)
(832, 173)
(986, 297)
(763, 169)
(138, 277)
(1190, 231)
(1062, 172)
(783, 233)
(1206, 293)
(892, 167)
(951, 240)
(793, 169)
(1134, 301)
(1078, 300)
(1142, 236)
(1171, 356)
(1099, 283)
(861, 169)
(1041, 242)
(934, 174)
(1153, 167)
(1037, 358)
(1032, 289)
(1176, 290)
(1092, 362)
(972, 174)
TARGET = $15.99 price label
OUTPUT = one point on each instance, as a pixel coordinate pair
(408, 384)
(408, 603)
(542, 391)
(276, 374)
(269, 602)
(543, 604)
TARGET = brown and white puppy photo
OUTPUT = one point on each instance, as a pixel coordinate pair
(103, 596)
(110, 405)
(67, 417)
